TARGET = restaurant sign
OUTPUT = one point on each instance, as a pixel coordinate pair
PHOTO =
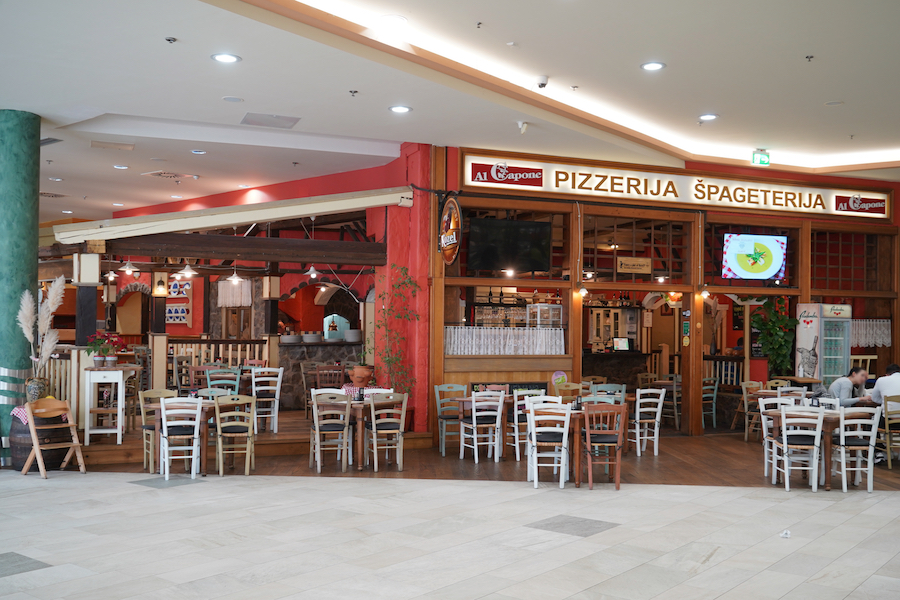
(629, 264)
(449, 235)
(667, 188)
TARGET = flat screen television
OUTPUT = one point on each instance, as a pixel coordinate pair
(498, 244)
(750, 256)
(621, 344)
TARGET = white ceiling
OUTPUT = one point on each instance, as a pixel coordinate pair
(102, 70)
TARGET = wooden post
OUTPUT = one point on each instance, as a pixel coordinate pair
(692, 366)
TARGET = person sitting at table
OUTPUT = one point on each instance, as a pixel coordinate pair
(849, 390)
(889, 385)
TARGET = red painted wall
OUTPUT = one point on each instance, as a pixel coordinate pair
(301, 307)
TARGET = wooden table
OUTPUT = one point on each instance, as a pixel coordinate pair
(359, 410)
(92, 376)
(207, 407)
(800, 380)
(759, 394)
(831, 422)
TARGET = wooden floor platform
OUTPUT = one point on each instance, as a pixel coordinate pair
(719, 459)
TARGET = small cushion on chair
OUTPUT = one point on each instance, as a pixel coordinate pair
(330, 427)
(265, 395)
(645, 415)
(800, 440)
(481, 420)
(148, 427)
(449, 417)
(549, 437)
(235, 429)
(854, 442)
(181, 430)
(384, 426)
(604, 438)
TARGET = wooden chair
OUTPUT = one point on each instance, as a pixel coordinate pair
(548, 437)
(568, 391)
(766, 428)
(604, 431)
(483, 426)
(858, 436)
(774, 384)
(255, 362)
(647, 416)
(329, 376)
(235, 421)
(266, 387)
(447, 412)
(181, 365)
(645, 379)
(148, 424)
(386, 427)
(889, 432)
(197, 375)
(798, 446)
(226, 379)
(615, 390)
(180, 423)
(47, 408)
(497, 387)
(710, 392)
(142, 358)
(331, 417)
(748, 407)
(595, 379)
(517, 418)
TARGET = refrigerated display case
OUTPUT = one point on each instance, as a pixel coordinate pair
(823, 341)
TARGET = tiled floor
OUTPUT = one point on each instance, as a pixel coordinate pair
(110, 536)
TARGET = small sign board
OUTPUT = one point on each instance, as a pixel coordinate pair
(450, 231)
(634, 264)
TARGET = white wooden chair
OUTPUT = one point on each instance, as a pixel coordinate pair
(386, 427)
(766, 423)
(180, 423)
(548, 438)
(798, 445)
(483, 425)
(518, 418)
(858, 436)
(646, 419)
(331, 417)
(266, 386)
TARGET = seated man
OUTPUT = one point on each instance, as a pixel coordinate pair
(850, 389)
(889, 385)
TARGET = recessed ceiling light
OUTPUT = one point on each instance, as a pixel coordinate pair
(55, 178)
(400, 109)
(178, 197)
(118, 204)
(834, 103)
(653, 66)
(709, 117)
(120, 166)
(67, 212)
(232, 99)
(226, 58)
(243, 186)
(198, 151)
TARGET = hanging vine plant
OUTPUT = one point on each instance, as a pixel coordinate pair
(777, 330)
(396, 302)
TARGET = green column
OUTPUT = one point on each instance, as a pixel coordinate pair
(20, 154)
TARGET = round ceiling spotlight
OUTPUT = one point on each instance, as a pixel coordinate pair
(118, 204)
(55, 178)
(178, 197)
(67, 212)
(400, 110)
(226, 58)
(708, 117)
(653, 66)
(120, 166)
(232, 99)
(198, 151)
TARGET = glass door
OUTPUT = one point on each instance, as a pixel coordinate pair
(835, 350)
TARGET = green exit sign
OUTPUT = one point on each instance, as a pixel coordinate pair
(761, 158)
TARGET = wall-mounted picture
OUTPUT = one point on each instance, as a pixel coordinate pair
(666, 311)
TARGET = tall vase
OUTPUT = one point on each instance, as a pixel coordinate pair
(36, 387)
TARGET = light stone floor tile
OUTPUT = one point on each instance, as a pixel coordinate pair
(263, 538)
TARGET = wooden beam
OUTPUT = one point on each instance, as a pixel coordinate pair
(195, 245)
(60, 250)
(322, 221)
(49, 270)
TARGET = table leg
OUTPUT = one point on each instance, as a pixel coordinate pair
(120, 409)
(826, 448)
(576, 460)
(360, 439)
(158, 434)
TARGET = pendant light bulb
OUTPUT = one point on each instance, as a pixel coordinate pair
(234, 278)
(583, 291)
(312, 272)
(111, 276)
(188, 271)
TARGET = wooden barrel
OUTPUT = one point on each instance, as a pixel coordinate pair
(20, 443)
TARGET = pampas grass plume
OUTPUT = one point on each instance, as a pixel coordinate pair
(26, 315)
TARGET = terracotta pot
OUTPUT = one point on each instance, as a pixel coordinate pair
(361, 375)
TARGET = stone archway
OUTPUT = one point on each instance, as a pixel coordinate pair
(135, 286)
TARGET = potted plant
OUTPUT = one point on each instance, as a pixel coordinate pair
(361, 373)
(35, 318)
(776, 333)
(396, 312)
(105, 345)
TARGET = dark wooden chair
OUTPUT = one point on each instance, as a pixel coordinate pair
(329, 376)
(604, 431)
